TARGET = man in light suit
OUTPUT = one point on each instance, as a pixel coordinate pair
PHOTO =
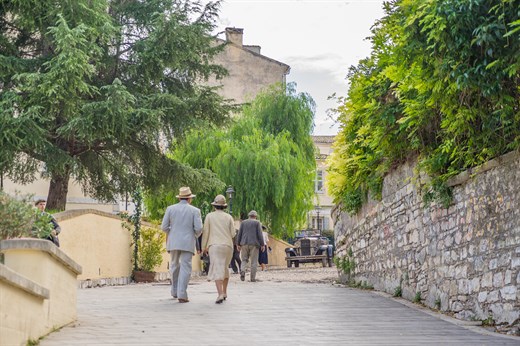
(183, 224)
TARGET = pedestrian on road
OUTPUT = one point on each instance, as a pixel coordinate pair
(235, 260)
(204, 257)
(217, 240)
(263, 258)
(183, 224)
(250, 239)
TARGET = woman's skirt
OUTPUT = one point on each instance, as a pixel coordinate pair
(219, 259)
(262, 257)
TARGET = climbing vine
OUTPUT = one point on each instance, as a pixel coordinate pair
(441, 86)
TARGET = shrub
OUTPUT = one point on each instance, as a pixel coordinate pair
(441, 87)
(347, 263)
(18, 218)
(150, 249)
(150, 246)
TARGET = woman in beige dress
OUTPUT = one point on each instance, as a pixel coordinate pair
(217, 240)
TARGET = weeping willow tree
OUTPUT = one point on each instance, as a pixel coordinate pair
(267, 155)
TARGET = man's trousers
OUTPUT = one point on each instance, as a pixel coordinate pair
(180, 269)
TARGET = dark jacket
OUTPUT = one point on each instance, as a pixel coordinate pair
(250, 233)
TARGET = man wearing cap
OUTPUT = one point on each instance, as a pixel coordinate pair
(250, 239)
(183, 224)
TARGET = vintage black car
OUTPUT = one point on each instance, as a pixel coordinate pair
(309, 247)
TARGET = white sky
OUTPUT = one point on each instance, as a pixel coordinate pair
(320, 40)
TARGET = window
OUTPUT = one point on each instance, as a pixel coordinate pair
(317, 223)
(318, 182)
(326, 224)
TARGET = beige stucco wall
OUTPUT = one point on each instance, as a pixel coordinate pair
(277, 255)
(32, 266)
(99, 243)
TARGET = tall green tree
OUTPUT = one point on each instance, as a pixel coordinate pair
(96, 90)
(442, 85)
(267, 155)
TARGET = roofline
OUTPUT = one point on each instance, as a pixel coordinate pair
(323, 138)
(287, 67)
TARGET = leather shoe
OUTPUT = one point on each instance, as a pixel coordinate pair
(184, 300)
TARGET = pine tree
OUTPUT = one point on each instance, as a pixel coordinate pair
(96, 90)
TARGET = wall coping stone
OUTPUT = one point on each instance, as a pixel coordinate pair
(463, 177)
(460, 178)
(42, 245)
(70, 214)
(14, 279)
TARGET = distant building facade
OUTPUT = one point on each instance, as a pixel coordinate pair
(249, 73)
(320, 217)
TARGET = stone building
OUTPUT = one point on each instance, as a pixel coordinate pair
(249, 73)
(320, 217)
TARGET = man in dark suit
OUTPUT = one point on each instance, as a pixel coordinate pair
(250, 240)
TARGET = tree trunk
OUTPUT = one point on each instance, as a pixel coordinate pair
(58, 189)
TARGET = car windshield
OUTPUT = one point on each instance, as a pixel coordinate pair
(306, 234)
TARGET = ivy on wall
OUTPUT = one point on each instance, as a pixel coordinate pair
(442, 85)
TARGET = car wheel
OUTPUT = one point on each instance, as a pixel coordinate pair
(296, 264)
(289, 264)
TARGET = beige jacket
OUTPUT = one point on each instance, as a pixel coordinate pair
(219, 229)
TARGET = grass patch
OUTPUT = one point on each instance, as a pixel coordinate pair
(364, 285)
(398, 291)
(437, 303)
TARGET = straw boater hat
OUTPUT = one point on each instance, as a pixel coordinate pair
(220, 200)
(185, 192)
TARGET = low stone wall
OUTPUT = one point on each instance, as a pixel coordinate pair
(38, 286)
(464, 259)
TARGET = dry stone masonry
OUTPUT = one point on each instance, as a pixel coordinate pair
(464, 259)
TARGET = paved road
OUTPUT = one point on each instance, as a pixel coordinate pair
(261, 313)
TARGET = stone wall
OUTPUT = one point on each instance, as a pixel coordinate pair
(464, 259)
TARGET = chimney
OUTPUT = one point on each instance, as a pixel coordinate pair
(235, 35)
